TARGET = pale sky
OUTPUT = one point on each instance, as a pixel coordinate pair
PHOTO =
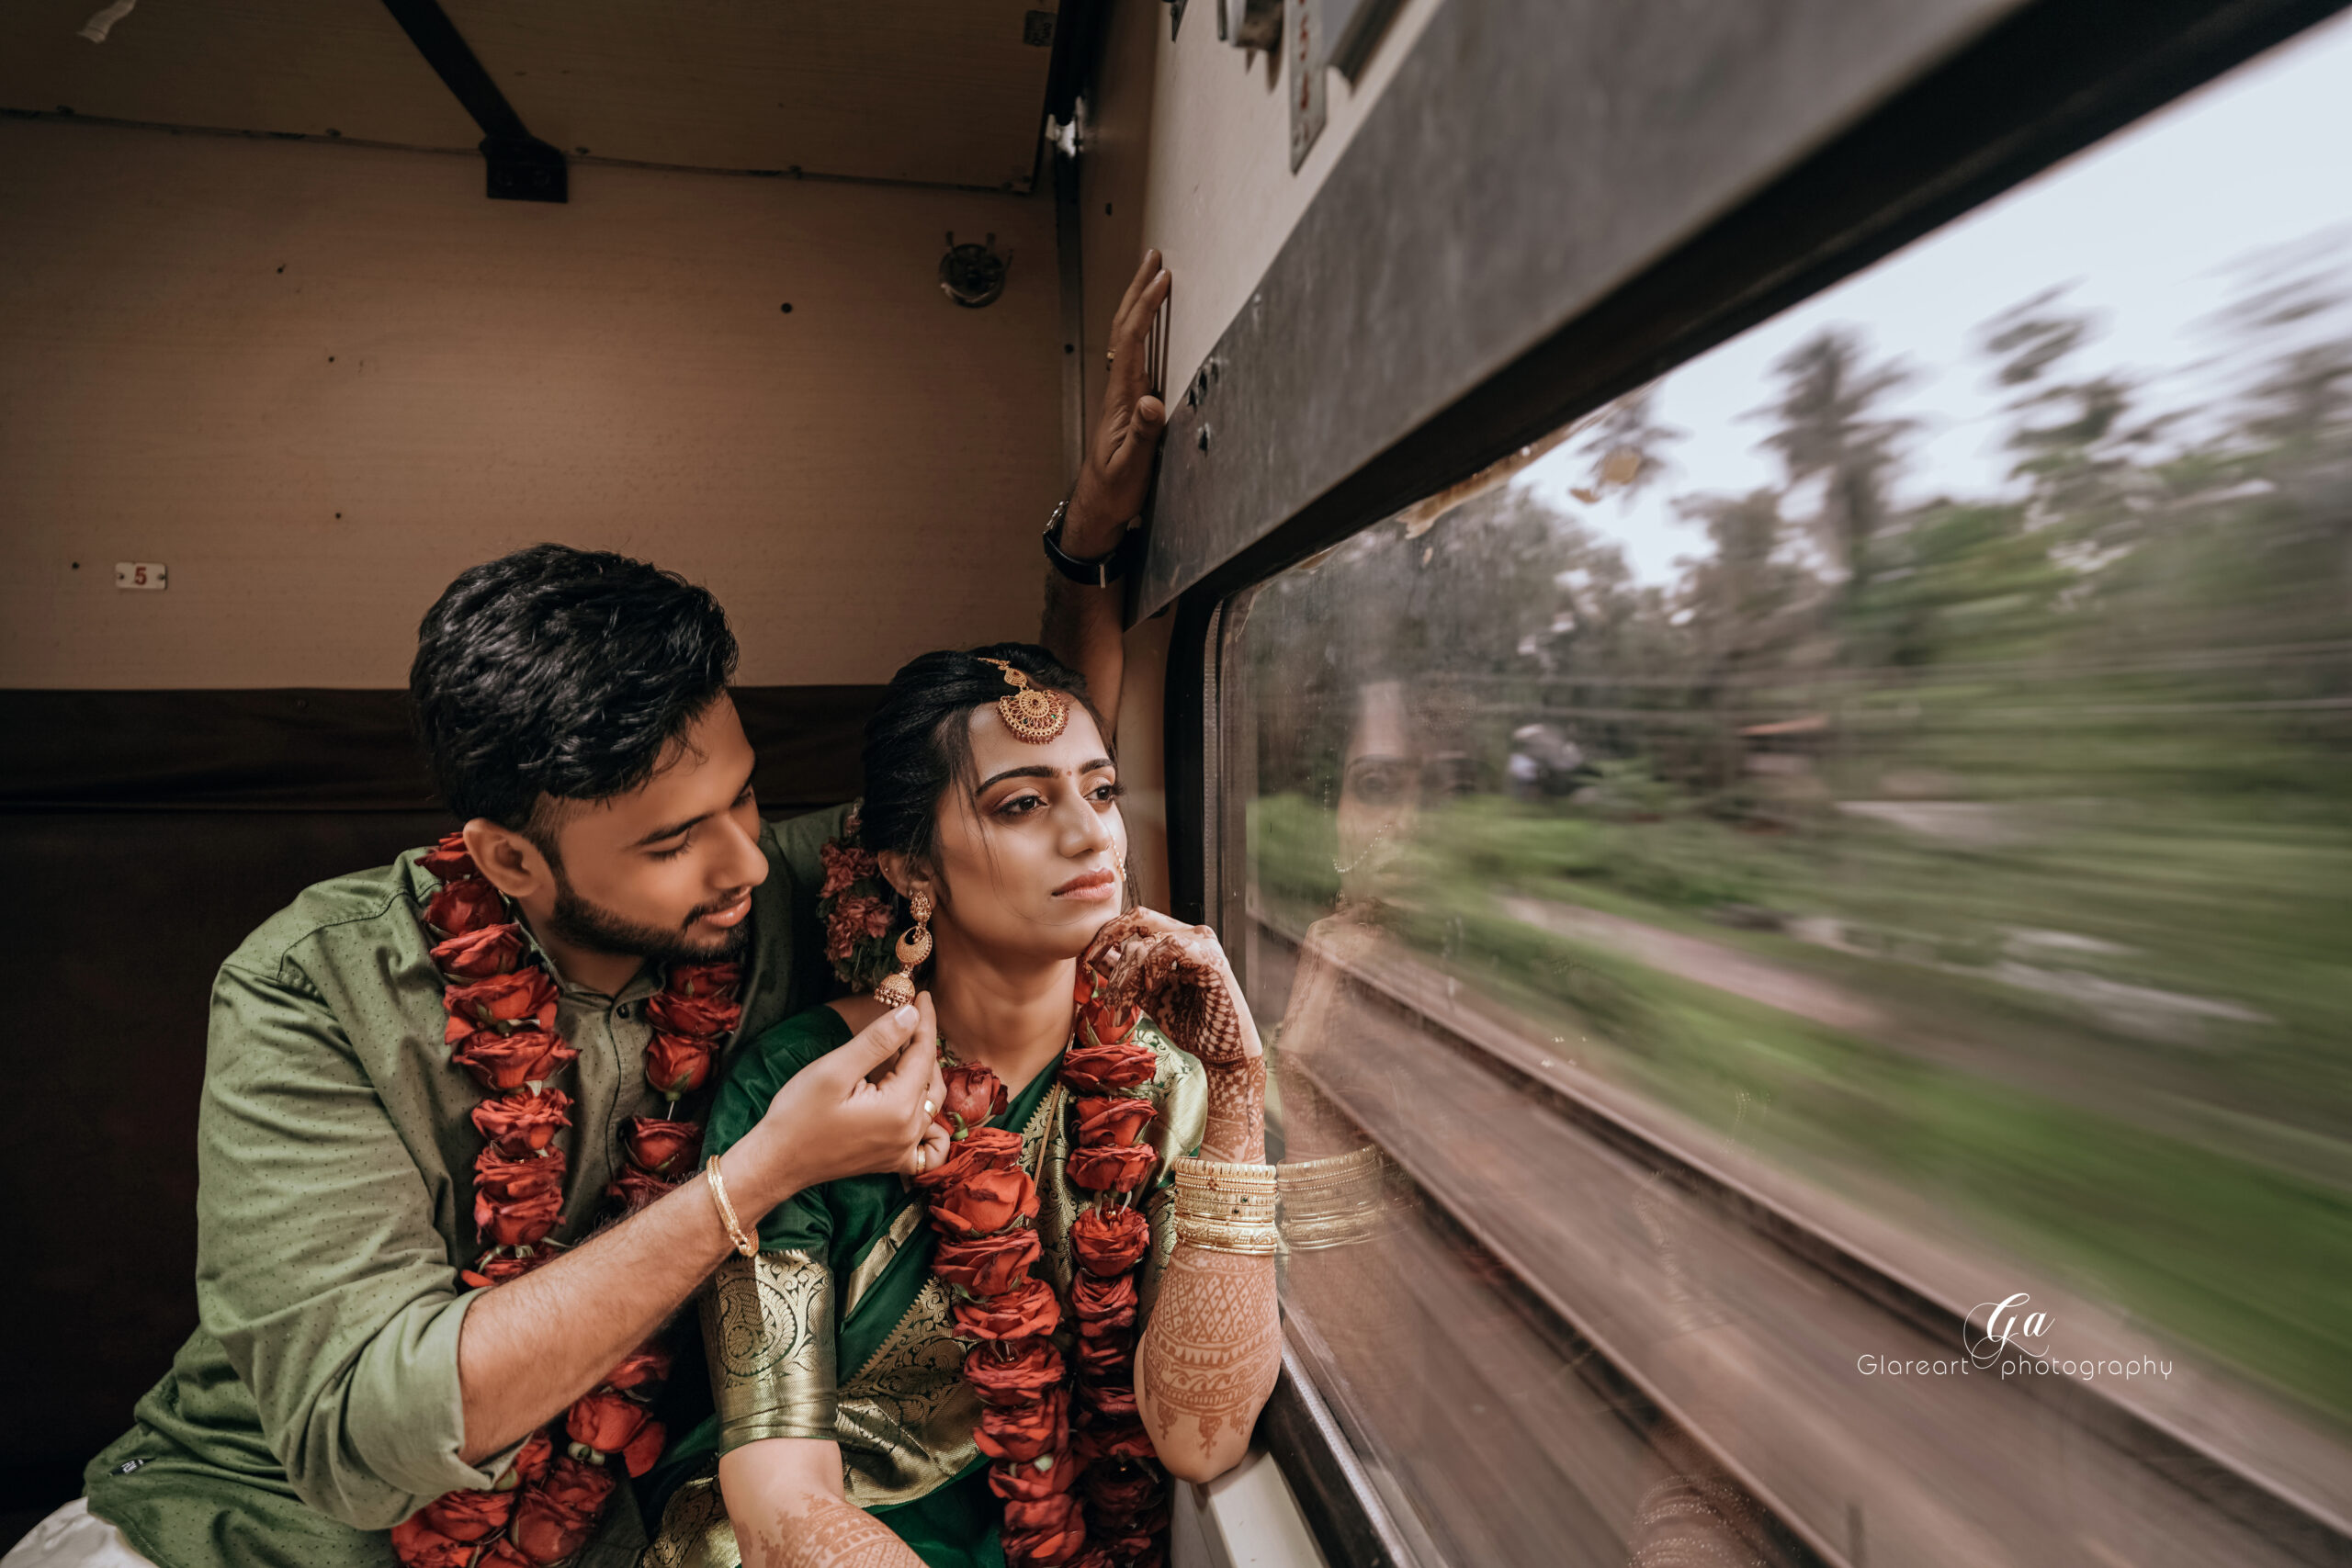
(2150, 226)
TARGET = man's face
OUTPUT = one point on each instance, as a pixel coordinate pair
(666, 871)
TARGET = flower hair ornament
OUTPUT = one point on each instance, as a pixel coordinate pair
(1031, 713)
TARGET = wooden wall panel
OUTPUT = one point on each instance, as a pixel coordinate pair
(316, 381)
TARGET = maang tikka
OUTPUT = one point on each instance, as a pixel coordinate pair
(1031, 713)
(914, 948)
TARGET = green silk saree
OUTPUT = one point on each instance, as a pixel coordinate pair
(837, 1329)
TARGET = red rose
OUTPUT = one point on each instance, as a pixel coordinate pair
(1114, 1119)
(556, 1517)
(613, 1423)
(448, 860)
(1103, 1304)
(418, 1545)
(852, 918)
(504, 1063)
(1016, 1378)
(1022, 1479)
(1112, 1168)
(497, 1267)
(1099, 1022)
(1136, 1550)
(501, 1554)
(1047, 1548)
(1031, 1309)
(1052, 1513)
(479, 954)
(984, 1203)
(469, 1515)
(1121, 1490)
(1107, 1356)
(842, 866)
(990, 1264)
(464, 906)
(1024, 1431)
(975, 1096)
(1109, 1241)
(522, 1223)
(636, 1188)
(664, 1148)
(522, 1124)
(989, 1148)
(716, 981)
(700, 1017)
(648, 1365)
(675, 1065)
(504, 1003)
(512, 1180)
(1111, 1401)
(1125, 1441)
(1093, 1557)
(531, 1460)
(1099, 1070)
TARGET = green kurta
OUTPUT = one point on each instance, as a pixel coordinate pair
(860, 1248)
(317, 1404)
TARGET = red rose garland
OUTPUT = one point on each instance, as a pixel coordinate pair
(984, 1207)
(502, 1030)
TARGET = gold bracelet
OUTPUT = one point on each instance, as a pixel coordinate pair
(748, 1245)
(1250, 1238)
(1218, 1198)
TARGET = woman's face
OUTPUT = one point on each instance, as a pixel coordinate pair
(1033, 860)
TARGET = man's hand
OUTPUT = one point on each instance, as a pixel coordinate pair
(1117, 472)
(860, 1109)
(532, 1346)
(1082, 624)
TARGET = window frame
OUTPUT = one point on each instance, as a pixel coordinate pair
(2043, 81)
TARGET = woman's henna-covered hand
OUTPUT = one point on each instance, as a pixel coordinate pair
(1179, 975)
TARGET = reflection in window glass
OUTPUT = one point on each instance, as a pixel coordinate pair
(1897, 765)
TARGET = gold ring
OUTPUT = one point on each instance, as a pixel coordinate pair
(922, 1159)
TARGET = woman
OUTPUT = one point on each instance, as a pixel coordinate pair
(1002, 1360)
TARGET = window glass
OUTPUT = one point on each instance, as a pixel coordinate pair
(1857, 831)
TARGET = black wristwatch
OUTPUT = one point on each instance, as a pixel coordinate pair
(1099, 572)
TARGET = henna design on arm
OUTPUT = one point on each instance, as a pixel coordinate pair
(825, 1532)
(1211, 1352)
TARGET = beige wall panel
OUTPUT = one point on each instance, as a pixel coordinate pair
(936, 90)
(434, 379)
(308, 66)
(1189, 148)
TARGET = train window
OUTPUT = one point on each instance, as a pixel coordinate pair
(1806, 911)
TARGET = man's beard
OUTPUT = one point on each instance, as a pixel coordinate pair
(599, 930)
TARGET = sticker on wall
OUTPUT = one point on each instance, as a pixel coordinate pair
(141, 574)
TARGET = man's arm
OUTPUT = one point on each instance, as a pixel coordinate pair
(534, 1345)
(1081, 624)
(331, 1290)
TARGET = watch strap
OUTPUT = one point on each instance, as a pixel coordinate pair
(1099, 572)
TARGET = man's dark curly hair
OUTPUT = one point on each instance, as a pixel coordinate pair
(561, 672)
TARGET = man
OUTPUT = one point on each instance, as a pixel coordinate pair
(431, 1087)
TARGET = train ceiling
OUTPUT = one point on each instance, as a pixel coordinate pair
(946, 92)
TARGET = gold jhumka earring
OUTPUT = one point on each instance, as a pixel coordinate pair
(1031, 713)
(914, 947)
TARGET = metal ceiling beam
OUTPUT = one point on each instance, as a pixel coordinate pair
(521, 166)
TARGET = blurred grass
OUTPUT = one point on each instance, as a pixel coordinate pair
(2245, 1253)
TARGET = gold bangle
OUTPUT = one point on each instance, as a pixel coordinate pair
(1222, 1176)
(1252, 1239)
(748, 1245)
